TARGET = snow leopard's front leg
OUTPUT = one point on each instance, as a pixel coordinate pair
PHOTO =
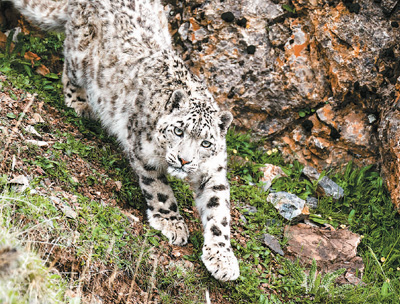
(162, 208)
(213, 203)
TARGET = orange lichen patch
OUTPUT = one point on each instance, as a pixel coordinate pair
(355, 130)
(194, 24)
(272, 129)
(306, 210)
(297, 48)
(327, 115)
(319, 128)
(287, 140)
(334, 79)
(297, 136)
(280, 62)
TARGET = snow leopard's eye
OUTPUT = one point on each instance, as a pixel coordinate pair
(205, 144)
(178, 132)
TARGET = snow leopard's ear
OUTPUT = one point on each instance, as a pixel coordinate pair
(225, 121)
(176, 101)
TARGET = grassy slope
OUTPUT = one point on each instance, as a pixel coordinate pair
(101, 251)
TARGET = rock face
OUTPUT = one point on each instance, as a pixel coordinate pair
(318, 78)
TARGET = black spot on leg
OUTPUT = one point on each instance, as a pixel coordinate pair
(215, 230)
(173, 218)
(148, 167)
(157, 215)
(147, 195)
(173, 207)
(221, 244)
(213, 202)
(151, 208)
(220, 168)
(147, 180)
(209, 218)
(164, 211)
(203, 184)
(226, 237)
(162, 197)
(224, 222)
(163, 179)
(219, 187)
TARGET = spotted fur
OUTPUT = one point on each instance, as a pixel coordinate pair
(120, 67)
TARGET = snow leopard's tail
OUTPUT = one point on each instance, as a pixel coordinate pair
(47, 14)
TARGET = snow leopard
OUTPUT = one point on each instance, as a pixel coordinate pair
(120, 68)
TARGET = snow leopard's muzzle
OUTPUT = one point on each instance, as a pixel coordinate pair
(180, 167)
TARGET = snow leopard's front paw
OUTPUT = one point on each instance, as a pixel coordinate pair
(83, 109)
(175, 230)
(220, 262)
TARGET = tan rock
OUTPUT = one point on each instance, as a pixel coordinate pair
(270, 173)
(332, 249)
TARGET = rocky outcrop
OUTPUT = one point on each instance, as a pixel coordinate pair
(317, 78)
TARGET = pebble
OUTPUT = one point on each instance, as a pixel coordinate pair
(288, 205)
(312, 202)
(272, 244)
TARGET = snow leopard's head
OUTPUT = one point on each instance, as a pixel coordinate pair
(192, 131)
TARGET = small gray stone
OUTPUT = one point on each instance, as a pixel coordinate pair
(311, 173)
(270, 222)
(184, 30)
(326, 186)
(288, 205)
(68, 211)
(273, 244)
(312, 202)
(250, 210)
(330, 188)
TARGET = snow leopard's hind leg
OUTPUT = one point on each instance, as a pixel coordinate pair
(75, 97)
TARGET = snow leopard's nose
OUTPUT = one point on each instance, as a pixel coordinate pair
(183, 162)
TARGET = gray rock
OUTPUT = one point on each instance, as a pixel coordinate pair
(326, 186)
(311, 173)
(289, 205)
(273, 244)
(329, 188)
(68, 211)
(271, 222)
(312, 202)
(250, 210)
